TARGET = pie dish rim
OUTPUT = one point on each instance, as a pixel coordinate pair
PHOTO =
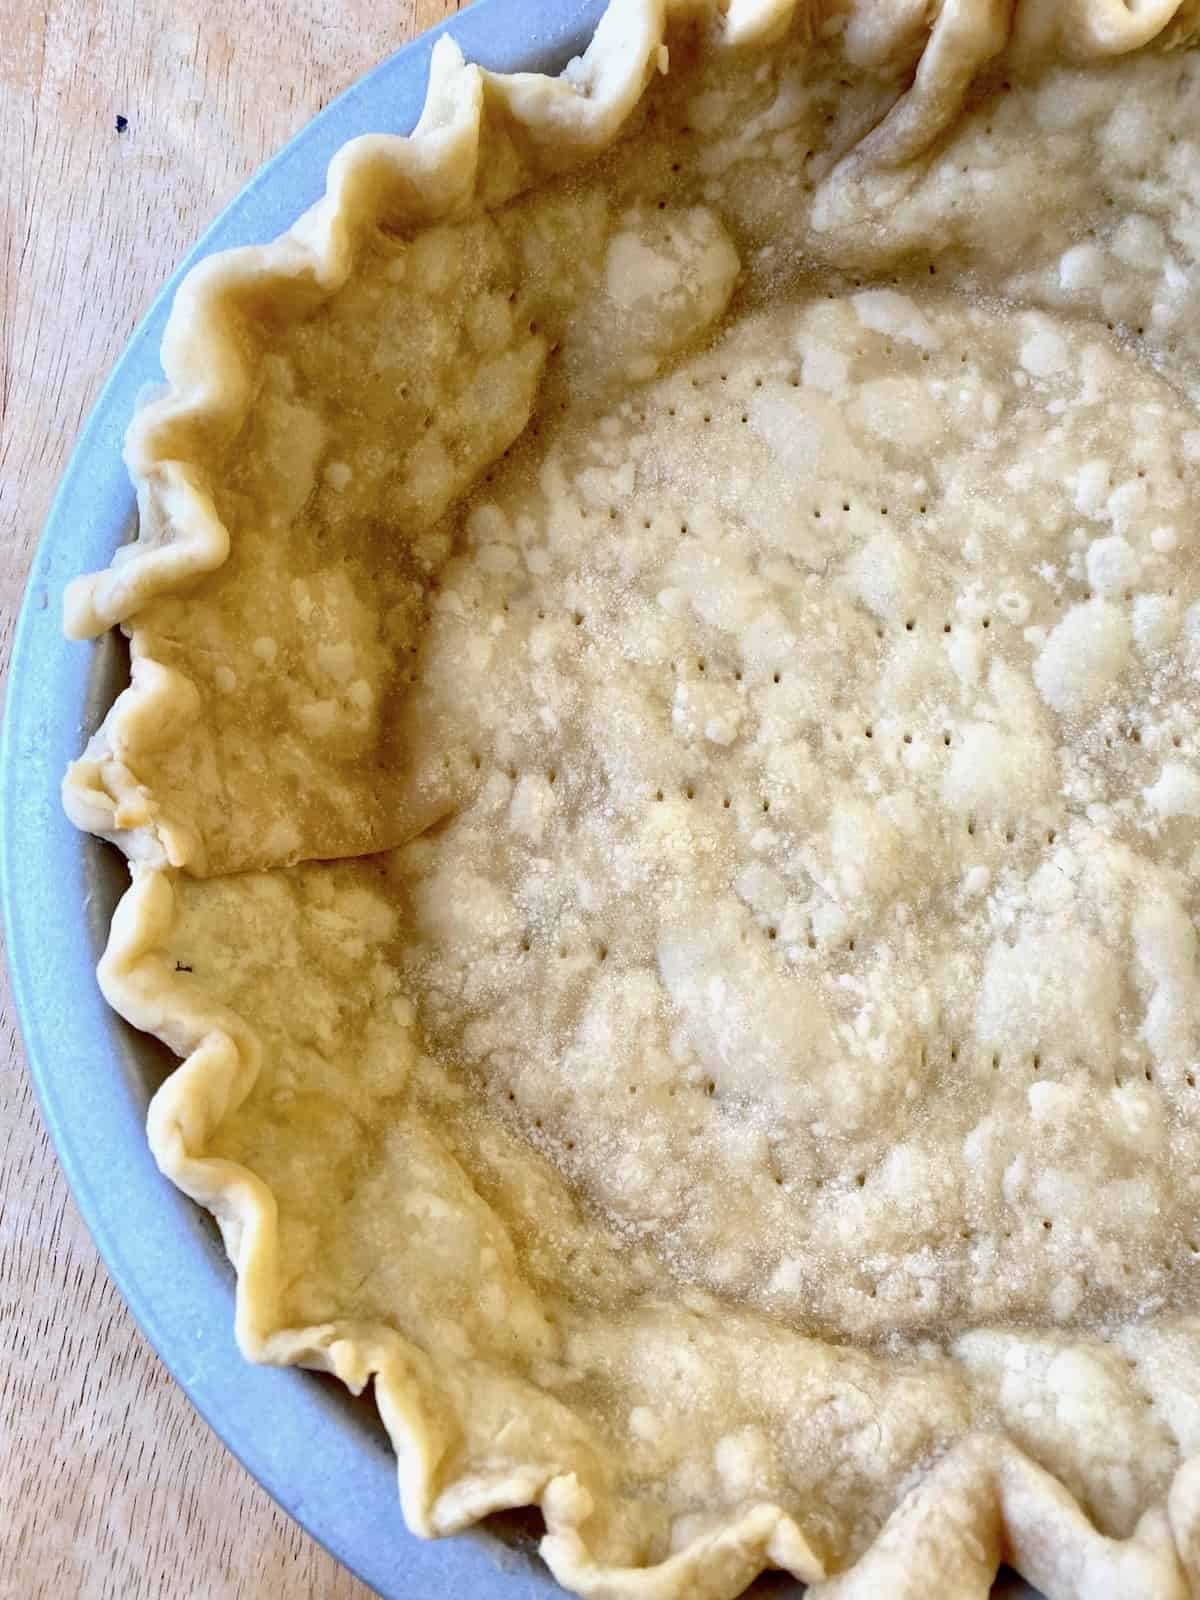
(127, 948)
(161, 1250)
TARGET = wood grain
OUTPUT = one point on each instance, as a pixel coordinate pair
(110, 1485)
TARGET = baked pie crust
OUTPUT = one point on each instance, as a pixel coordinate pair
(661, 775)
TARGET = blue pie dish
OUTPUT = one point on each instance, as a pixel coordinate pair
(322, 1454)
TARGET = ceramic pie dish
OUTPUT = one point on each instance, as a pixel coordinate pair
(658, 781)
(322, 1456)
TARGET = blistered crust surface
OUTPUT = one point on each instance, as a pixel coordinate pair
(746, 591)
(833, 849)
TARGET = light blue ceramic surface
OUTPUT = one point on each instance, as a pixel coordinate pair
(321, 1454)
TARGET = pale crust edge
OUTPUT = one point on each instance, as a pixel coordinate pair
(442, 171)
(985, 1501)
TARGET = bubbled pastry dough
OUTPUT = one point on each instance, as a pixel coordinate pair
(661, 773)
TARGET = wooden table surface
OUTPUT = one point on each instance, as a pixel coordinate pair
(110, 1485)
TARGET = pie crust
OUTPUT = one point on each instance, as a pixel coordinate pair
(661, 776)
